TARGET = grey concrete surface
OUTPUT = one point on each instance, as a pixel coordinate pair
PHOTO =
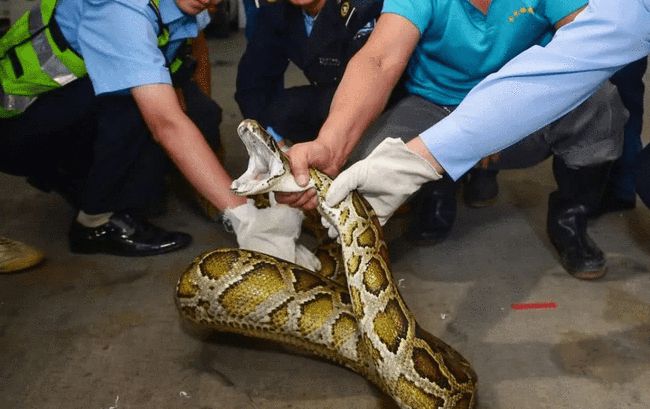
(100, 332)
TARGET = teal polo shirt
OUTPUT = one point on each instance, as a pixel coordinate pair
(459, 45)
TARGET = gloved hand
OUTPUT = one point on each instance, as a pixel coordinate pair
(386, 178)
(272, 230)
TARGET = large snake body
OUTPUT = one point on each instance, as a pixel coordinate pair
(362, 322)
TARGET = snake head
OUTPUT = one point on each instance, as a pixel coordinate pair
(268, 167)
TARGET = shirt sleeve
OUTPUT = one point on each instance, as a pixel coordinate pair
(418, 12)
(120, 48)
(541, 84)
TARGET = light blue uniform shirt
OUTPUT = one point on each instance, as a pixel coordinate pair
(542, 84)
(309, 22)
(118, 39)
(459, 45)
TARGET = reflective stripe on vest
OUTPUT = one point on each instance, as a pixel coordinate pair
(37, 58)
(47, 58)
(14, 103)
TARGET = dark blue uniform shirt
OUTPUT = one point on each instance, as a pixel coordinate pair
(340, 29)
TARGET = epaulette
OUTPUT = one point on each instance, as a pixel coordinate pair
(358, 13)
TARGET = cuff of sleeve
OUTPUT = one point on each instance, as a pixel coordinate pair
(450, 148)
(161, 76)
(274, 135)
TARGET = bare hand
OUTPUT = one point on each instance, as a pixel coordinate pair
(302, 156)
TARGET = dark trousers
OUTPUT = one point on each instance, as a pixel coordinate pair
(643, 176)
(298, 113)
(591, 134)
(204, 112)
(629, 82)
(99, 144)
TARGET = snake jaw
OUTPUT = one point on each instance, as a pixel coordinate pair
(268, 168)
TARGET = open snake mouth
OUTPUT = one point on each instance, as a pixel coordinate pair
(265, 162)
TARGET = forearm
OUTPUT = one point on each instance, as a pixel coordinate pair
(185, 145)
(538, 86)
(192, 155)
(367, 84)
(418, 146)
(359, 99)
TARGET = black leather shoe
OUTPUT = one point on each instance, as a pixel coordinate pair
(435, 212)
(125, 235)
(567, 229)
(481, 188)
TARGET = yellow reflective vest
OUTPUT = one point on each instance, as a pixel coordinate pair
(35, 58)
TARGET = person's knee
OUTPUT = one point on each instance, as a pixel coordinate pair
(594, 132)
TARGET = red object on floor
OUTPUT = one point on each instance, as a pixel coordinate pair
(535, 306)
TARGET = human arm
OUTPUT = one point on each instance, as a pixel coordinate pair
(360, 97)
(272, 231)
(184, 144)
(535, 88)
(367, 83)
(130, 61)
(541, 84)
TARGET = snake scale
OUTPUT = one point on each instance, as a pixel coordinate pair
(359, 320)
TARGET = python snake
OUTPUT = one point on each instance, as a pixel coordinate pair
(361, 321)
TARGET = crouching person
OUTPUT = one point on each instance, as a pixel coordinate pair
(86, 94)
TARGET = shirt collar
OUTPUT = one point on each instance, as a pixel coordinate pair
(170, 12)
(180, 25)
(309, 22)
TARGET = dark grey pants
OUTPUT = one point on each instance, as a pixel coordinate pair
(589, 135)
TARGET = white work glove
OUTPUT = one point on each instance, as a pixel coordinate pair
(272, 230)
(386, 178)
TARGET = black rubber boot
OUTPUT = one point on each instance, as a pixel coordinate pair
(578, 195)
(435, 211)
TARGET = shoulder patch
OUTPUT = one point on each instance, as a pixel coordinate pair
(345, 8)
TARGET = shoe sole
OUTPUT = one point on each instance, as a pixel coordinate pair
(590, 275)
(77, 249)
(586, 275)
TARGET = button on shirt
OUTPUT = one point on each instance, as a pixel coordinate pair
(118, 39)
(542, 84)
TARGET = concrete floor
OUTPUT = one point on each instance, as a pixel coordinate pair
(102, 332)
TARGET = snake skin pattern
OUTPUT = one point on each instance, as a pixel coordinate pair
(358, 320)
